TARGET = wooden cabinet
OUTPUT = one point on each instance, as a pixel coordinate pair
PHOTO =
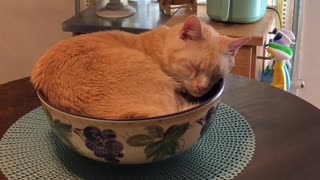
(246, 63)
(243, 61)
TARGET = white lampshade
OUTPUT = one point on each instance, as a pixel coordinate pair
(116, 9)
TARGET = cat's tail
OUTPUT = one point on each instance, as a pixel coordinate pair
(142, 113)
(186, 106)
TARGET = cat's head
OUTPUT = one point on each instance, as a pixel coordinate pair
(197, 56)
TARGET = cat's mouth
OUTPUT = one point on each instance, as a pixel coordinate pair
(197, 93)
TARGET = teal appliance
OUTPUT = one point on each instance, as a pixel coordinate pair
(236, 11)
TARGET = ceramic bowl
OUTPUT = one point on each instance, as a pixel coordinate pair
(133, 141)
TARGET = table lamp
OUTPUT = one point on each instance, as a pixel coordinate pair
(116, 9)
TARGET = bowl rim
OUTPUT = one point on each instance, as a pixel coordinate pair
(162, 117)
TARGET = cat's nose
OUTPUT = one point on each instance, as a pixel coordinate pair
(201, 88)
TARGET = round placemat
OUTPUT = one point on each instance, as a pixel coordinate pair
(30, 150)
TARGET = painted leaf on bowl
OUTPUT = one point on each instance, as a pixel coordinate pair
(140, 140)
(155, 131)
(176, 131)
(160, 144)
(64, 132)
(64, 129)
(161, 149)
(207, 121)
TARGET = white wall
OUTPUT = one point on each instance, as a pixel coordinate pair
(28, 28)
(309, 55)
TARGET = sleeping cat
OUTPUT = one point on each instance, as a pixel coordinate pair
(116, 74)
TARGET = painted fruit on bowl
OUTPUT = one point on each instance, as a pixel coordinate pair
(138, 141)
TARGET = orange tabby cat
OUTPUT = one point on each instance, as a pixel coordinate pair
(121, 75)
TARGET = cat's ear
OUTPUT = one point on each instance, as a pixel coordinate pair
(235, 44)
(191, 29)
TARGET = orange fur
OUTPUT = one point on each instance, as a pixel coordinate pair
(121, 75)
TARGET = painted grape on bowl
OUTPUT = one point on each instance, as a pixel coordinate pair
(102, 143)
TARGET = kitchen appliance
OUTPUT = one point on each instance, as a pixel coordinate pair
(237, 11)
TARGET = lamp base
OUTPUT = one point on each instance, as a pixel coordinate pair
(124, 11)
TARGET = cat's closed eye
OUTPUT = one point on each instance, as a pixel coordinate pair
(191, 71)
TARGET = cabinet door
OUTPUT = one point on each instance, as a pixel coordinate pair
(243, 61)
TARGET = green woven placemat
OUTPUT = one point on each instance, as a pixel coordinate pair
(30, 150)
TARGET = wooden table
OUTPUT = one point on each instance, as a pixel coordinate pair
(287, 128)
